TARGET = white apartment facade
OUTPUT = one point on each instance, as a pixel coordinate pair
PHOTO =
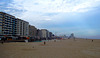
(22, 28)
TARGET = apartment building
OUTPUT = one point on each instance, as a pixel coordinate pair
(7, 25)
(10, 26)
(32, 31)
(39, 33)
(13, 27)
(45, 33)
(50, 35)
(22, 28)
(1, 18)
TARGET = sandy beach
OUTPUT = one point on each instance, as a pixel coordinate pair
(80, 48)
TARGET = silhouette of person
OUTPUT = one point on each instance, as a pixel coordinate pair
(44, 42)
(92, 40)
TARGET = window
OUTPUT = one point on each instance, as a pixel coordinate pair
(0, 14)
(0, 19)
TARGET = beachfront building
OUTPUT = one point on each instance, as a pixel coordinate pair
(1, 18)
(13, 27)
(32, 32)
(50, 35)
(7, 25)
(22, 28)
(44, 34)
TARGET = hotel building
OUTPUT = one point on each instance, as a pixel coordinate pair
(32, 31)
(13, 27)
(22, 28)
(7, 24)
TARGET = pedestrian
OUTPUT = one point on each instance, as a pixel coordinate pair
(2, 42)
(44, 42)
(54, 40)
(92, 40)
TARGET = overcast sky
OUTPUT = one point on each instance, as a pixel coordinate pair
(81, 17)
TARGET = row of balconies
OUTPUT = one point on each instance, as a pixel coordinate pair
(4, 28)
(0, 19)
(8, 17)
(9, 21)
(9, 29)
(8, 32)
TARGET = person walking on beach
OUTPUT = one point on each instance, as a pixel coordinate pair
(44, 42)
(54, 40)
(2, 42)
(92, 40)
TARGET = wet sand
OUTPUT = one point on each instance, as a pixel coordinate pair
(80, 48)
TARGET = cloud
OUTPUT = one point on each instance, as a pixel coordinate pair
(54, 14)
(52, 10)
(6, 10)
(2, 3)
(49, 6)
(54, 6)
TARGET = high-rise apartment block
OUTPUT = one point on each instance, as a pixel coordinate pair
(7, 24)
(22, 28)
(11, 26)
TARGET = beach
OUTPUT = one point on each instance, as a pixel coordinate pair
(69, 48)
